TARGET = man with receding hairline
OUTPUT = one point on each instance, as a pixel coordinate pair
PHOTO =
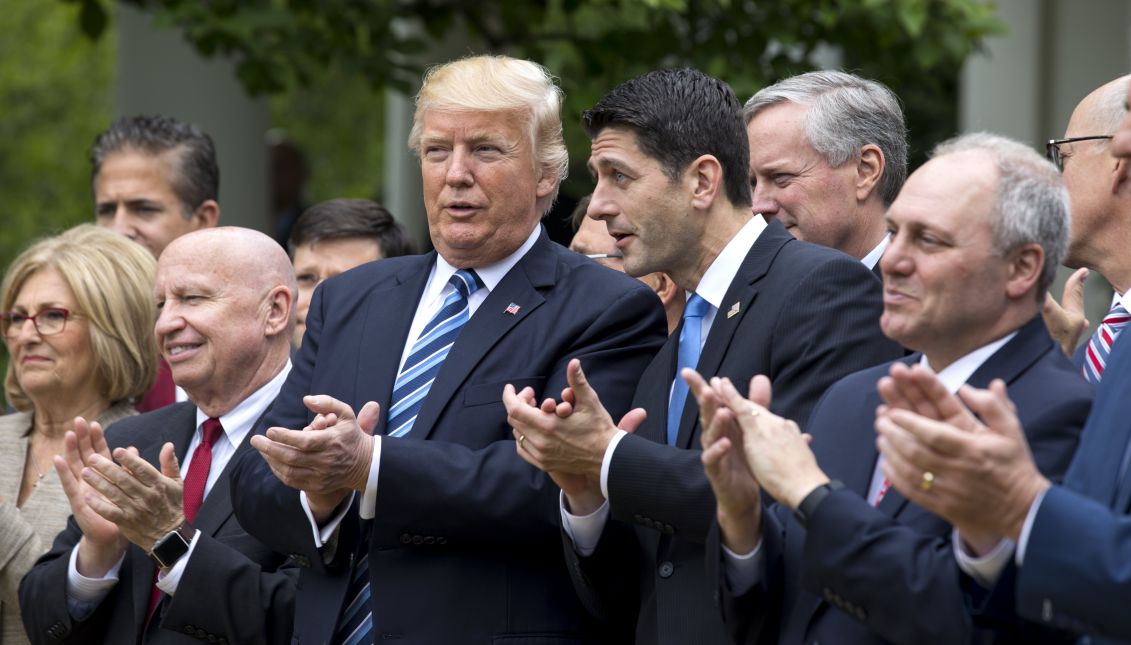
(226, 300)
(416, 520)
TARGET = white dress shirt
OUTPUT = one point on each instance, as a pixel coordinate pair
(435, 291)
(83, 593)
(873, 257)
(585, 531)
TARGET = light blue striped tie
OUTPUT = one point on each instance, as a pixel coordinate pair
(356, 624)
(428, 354)
(690, 339)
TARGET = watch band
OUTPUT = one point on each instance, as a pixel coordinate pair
(808, 505)
(172, 546)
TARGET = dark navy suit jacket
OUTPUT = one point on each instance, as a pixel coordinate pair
(232, 590)
(465, 545)
(888, 574)
(803, 315)
(1076, 574)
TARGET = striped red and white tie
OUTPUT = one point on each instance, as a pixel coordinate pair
(1099, 346)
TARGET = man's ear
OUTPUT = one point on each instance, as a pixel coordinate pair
(207, 215)
(869, 171)
(705, 176)
(1025, 270)
(280, 310)
(666, 288)
(1120, 180)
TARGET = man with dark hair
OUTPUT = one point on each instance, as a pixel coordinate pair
(670, 158)
(336, 236)
(155, 179)
(591, 238)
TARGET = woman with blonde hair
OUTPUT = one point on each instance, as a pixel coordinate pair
(76, 316)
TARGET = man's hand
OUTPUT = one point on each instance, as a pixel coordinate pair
(776, 451)
(739, 504)
(102, 544)
(329, 458)
(567, 439)
(143, 502)
(1065, 320)
(980, 477)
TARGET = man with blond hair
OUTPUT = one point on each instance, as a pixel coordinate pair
(404, 458)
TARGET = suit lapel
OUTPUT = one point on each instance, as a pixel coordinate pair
(388, 316)
(536, 270)
(217, 506)
(737, 304)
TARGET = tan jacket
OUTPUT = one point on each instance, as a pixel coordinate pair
(26, 533)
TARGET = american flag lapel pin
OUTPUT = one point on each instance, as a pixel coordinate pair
(733, 311)
(511, 309)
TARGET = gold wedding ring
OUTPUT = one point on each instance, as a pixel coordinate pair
(521, 438)
(927, 481)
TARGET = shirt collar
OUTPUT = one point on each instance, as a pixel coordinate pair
(716, 280)
(491, 274)
(240, 419)
(875, 254)
(960, 371)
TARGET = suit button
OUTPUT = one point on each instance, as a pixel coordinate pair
(190, 630)
(441, 540)
(406, 538)
(669, 529)
(429, 539)
(416, 539)
(666, 570)
(638, 518)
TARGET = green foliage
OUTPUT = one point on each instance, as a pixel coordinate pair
(915, 46)
(56, 89)
(338, 120)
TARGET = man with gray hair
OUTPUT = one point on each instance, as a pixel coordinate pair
(155, 178)
(828, 155)
(840, 556)
(407, 467)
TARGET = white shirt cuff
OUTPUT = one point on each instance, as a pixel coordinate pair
(584, 530)
(1027, 527)
(90, 590)
(168, 581)
(369, 498)
(608, 459)
(322, 535)
(985, 570)
(742, 571)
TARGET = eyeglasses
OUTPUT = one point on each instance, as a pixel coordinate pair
(47, 322)
(1052, 148)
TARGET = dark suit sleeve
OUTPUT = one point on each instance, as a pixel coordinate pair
(830, 333)
(43, 598)
(752, 616)
(224, 593)
(1077, 569)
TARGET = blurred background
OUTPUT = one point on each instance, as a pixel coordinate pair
(311, 99)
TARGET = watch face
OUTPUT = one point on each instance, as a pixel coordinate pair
(169, 549)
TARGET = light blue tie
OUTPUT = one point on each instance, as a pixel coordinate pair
(428, 354)
(690, 337)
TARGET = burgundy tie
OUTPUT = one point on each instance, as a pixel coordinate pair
(195, 480)
(197, 475)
